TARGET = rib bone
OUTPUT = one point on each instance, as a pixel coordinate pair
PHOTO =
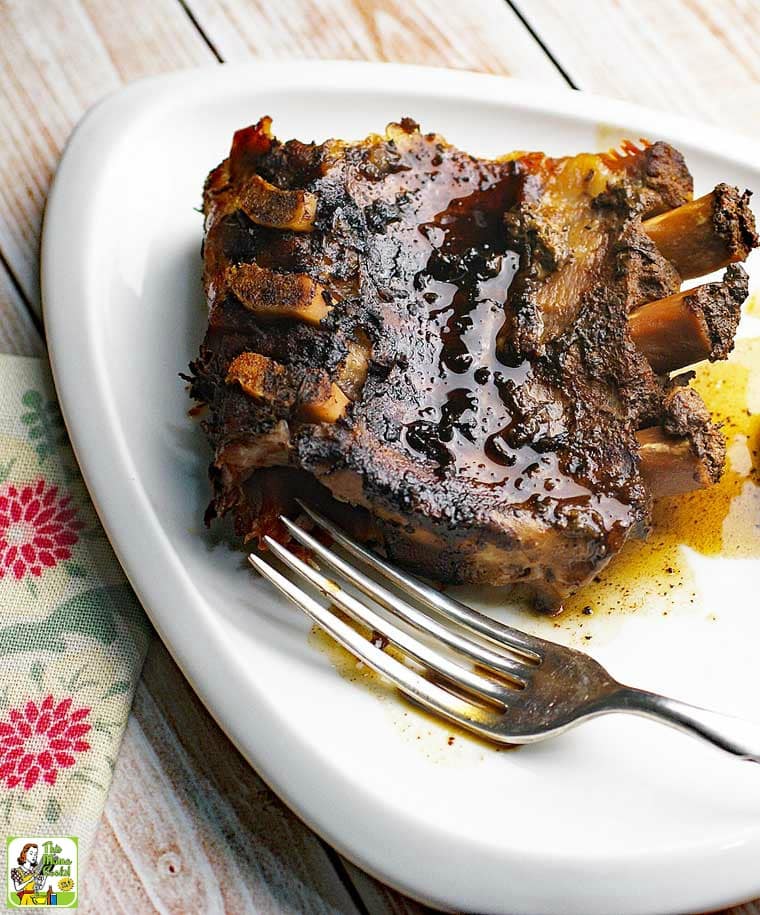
(670, 465)
(686, 452)
(277, 295)
(692, 325)
(267, 205)
(706, 234)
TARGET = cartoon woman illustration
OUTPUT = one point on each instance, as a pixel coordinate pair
(27, 877)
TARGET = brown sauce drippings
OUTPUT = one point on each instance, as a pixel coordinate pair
(723, 520)
(464, 409)
(464, 285)
(470, 406)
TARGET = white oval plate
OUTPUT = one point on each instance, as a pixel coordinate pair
(620, 815)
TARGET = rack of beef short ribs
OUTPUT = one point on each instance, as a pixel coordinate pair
(468, 363)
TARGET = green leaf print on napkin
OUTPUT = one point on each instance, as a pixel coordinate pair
(72, 634)
(44, 423)
(5, 469)
(95, 613)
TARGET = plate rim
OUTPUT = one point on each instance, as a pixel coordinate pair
(77, 365)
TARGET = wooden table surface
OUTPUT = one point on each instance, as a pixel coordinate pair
(188, 826)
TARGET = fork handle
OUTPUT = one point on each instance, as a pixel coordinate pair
(734, 735)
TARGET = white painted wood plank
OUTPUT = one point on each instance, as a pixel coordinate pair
(482, 35)
(18, 334)
(696, 57)
(380, 899)
(190, 827)
(56, 60)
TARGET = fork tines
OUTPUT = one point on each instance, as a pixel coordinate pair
(481, 668)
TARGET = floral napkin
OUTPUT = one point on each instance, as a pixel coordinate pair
(72, 634)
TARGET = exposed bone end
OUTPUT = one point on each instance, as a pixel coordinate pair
(353, 372)
(669, 465)
(735, 221)
(692, 325)
(267, 205)
(706, 234)
(686, 415)
(721, 305)
(261, 378)
(277, 295)
(322, 401)
(686, 452)
(248, 146)
(670, 333)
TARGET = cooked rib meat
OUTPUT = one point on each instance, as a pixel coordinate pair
(436, 349)
(692, 325)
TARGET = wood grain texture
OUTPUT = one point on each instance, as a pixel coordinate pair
(190, 827)
(696, 57)
(751, 908)
(18, 334)
(56, 60)
(380, 899)
(482, 35)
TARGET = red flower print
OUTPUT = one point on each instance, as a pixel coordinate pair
(37, 528)
(38, 740)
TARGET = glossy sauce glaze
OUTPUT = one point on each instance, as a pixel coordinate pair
(464, 285)
(465, 402)
(465, 406)
(723, 520)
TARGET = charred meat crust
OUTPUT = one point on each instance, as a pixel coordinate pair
(666, 177)
(719, 306)
(652, 180)
(734, 221)
(686, 416)
(418, 381)
(640, 270)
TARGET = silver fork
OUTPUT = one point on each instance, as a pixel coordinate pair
(496, 681)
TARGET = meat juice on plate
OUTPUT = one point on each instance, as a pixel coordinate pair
(722, 520)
